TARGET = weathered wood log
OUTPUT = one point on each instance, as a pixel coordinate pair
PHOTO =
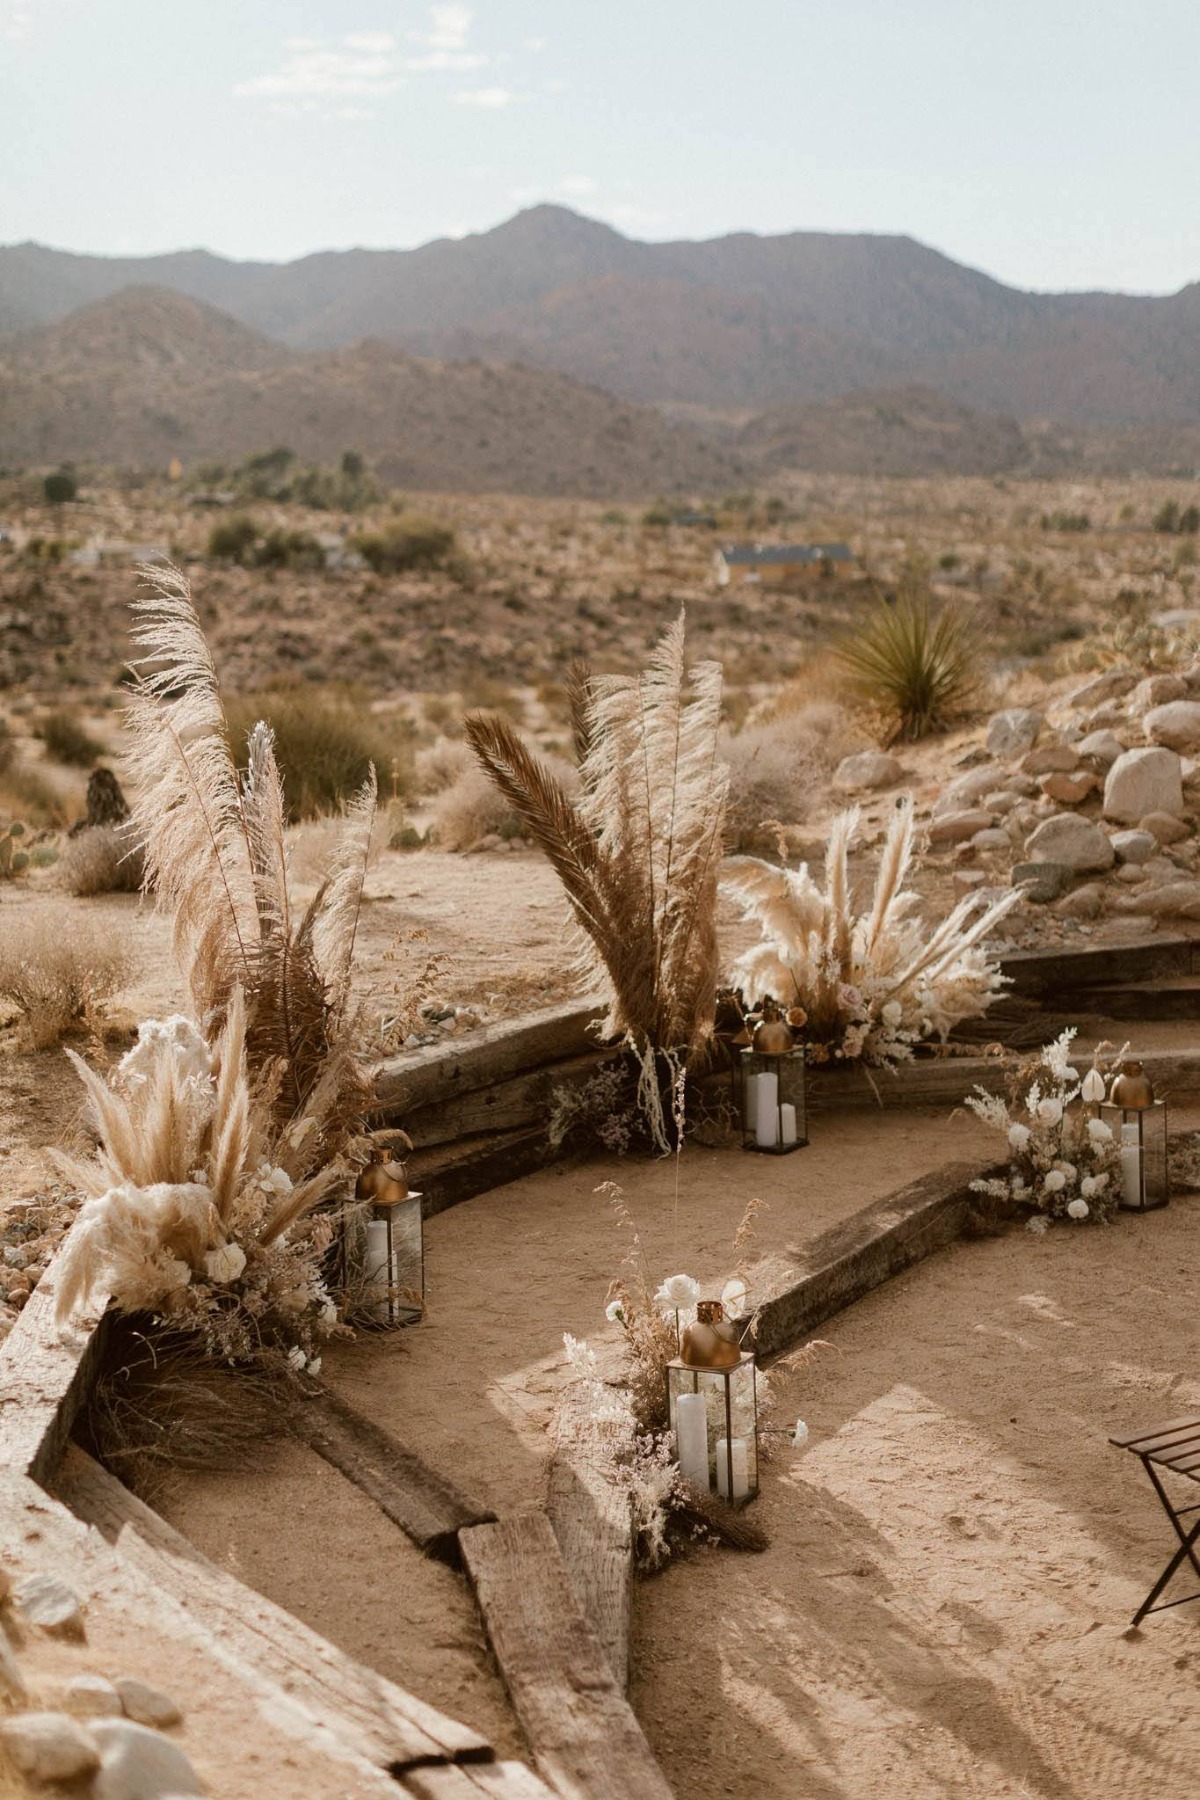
(449, 1174)
(442, 1072)
(591, 1520)
(427, 1508)
(46, 1376)
(946, 1080)
(391, 1728)
(580, 1729)
(526, 1099)
(1052, 975)
(472, 1781)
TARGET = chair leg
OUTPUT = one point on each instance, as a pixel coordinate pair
(1187, 1540)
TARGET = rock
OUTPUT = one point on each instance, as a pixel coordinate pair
(1164, 828)
(869, 769)
(1010, 734)
(1131, 874)
(1051, 759)
(1135, 846)
(12, 1682)
(967, 791)
(1001, 801)
(1174, 900)
(971, 758)
(1085, 903)
(1042, 881)
(957, 827)
(1072, 841)
(148, 1705)
(1176, 725)
(1069, 790)
(965, 880)
(1141, 782)
(50, 1603)
(1107, 718)
(1155, 691)
(92, 1697)
(990, 840)
(1101, 747)
(1111, 686)
(138, 1764)
(49, 1746)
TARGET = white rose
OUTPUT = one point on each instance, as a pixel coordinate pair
(314, 1365)
(297, 1357)
(1055, 1182)
(1088, 1186)
(1100, 1131)
(892, 1013)
(225, 1263)
(1068, 1169)
(614, 1312)
(1018, 1136)
(1078, 1209)
(1050, 1111)
(677, 1292)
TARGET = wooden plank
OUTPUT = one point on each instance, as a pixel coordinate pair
(427, 1507)
(591, 1520)
(389, 1727)
(46, 1376)
(946, 1080)
(448, 1175)
(441, 1072)
(526, 1099)
(1061, 974)
(581, 1730)
(459, 1781)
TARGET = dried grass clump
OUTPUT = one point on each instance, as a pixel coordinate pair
(58, 979)
(779, 766)
(440, 764)
(101, 860)
(67, 741)
(472, 808)
(326, 739)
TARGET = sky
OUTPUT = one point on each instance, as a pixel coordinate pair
(1051, 143)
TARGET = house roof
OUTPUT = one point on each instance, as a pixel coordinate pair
(758, 554)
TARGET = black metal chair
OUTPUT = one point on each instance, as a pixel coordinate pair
(1173, 1448)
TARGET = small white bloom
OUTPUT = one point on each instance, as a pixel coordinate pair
(733, 1296)
(1018, 1136)
(1092, 1088)
(1054, 1182)
(1088, 1186)
(225, 1263)
(1050, 1110)
(1100, 1131)
(314, 1365)
(678, 1292)
(328, 1316)
(1078, 1209)
(1068, 1169)
(1038, 1224)
(892, 1013)
(297, 1357)
(799, 1434)
(614, 1312)
(176, 1273)
(199, 1176)
(1017, 1186)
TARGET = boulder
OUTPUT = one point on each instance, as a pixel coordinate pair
(92, 1697)
(1070, 790)
(1100, 747)
(1157, 690)
(869, 769)
(1076, 843)
(1164, 827)
(967, 790)
(1141, 782)
(956, 827)
(1086, 902)
(1042, 882)
(1111, 686)
(138, 1764)
(50, 1603)
(1000, 801)
(1177, 725)
(1171, 900)
(1135, 846)
(49, 1747)
(991, 840)
(145, 1704)
(1010, 734)
(1051, 759)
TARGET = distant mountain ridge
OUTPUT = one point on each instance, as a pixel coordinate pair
(736, 322)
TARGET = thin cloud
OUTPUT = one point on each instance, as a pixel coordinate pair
(492, 98)
(449, 28)
(347, 68)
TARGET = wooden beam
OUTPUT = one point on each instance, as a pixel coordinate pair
(1061, 974)
(442, 1072)
(523, 1100)
(946, 1080)
(591, 1520)
(389, 1727)
(46, 1377)
(580, 1729)
(449, 1174)
(427, 1507)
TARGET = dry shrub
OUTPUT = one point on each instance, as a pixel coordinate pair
(101, 860)
(472, 807)
(441, 764)
(26, 794)
(58, 979)
(67, 741)
(326, 742)
(779, 767)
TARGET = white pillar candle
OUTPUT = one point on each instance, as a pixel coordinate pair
(787, 1124)
(377, 1277)
(750, 1100)
(766, 1118)
(741, 1469)
(691, 1439)
(1131, 1165)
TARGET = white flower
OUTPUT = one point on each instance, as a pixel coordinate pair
(199, 1176)
(1054, 1182)
(1078, 1209)
(1018, 1136)
(677, 1292)
(1038, 1224)
(272, 1180)
(327, 1317)
(733, 1296)
(1100, 1131)
(295, 1300)
(296, 1357)
(314, 1365)
(176, 1039)
(1050, 1110)
(892, 1013)
(225, 1263)
(1068, 1169)
(614, 1312)
(1017, 1186)
(799, 1434)
(1092, 1089)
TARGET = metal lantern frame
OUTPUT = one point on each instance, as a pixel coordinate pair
(790, 1072)
(386, 1303)
(1154, 1184)
(730, 1394)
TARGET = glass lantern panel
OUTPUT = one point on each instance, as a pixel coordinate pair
(1142, 1175)
(774, 1116)
(713, 1417)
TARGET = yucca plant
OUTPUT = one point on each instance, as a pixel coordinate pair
(917, 666)
(638, 850)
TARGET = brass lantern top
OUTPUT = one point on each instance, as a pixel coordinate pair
(711, 1343)
(773, 1037)
(1131, 1089)
(382, 1181)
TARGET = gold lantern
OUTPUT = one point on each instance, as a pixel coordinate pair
(774, 1115)
(1139, 1124)
(713, 1406)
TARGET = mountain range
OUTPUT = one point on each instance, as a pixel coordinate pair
(756, 346)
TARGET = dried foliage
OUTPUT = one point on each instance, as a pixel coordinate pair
(58, 980)
(103, 859)
(918, 667)
(638, 852)
(778, 766)
(873, 982)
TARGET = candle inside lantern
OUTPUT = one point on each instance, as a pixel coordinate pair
(691, 1439)
(741, 1468)
(1131, 1165)
(750, 1101)
(787, 1124)
(766, 1118)
(377, 1276)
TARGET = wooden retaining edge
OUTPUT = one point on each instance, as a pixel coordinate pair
(947, 1080)
(592, 1520)
(46, 1377)
(443, 1072)
(1060, 974)
(584, 1737)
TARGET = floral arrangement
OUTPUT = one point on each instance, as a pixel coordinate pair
(1062, 1160)
(873, 982)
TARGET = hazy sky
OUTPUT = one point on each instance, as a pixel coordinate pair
(1051, 142)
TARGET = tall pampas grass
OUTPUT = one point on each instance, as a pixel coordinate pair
(872, 982)
(638, 850)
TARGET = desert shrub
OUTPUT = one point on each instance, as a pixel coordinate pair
(282, 549)
(8, 748)
(441, 764)
(233, 540)
(58, 980)
(101, 860)
(325, 741)
(26, 794)
(1066, 521)
(472, 808)
(59, 487)
(66, 740)
(409, 541)
(779, 766)
(917, 666)
(1167, 517)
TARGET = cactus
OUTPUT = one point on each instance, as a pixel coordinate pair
(12, 860)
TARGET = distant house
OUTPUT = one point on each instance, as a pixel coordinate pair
(778, 565)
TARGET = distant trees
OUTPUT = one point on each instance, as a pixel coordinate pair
(411, 540)
(242, 540)
(1172, 519)
(59, 487)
